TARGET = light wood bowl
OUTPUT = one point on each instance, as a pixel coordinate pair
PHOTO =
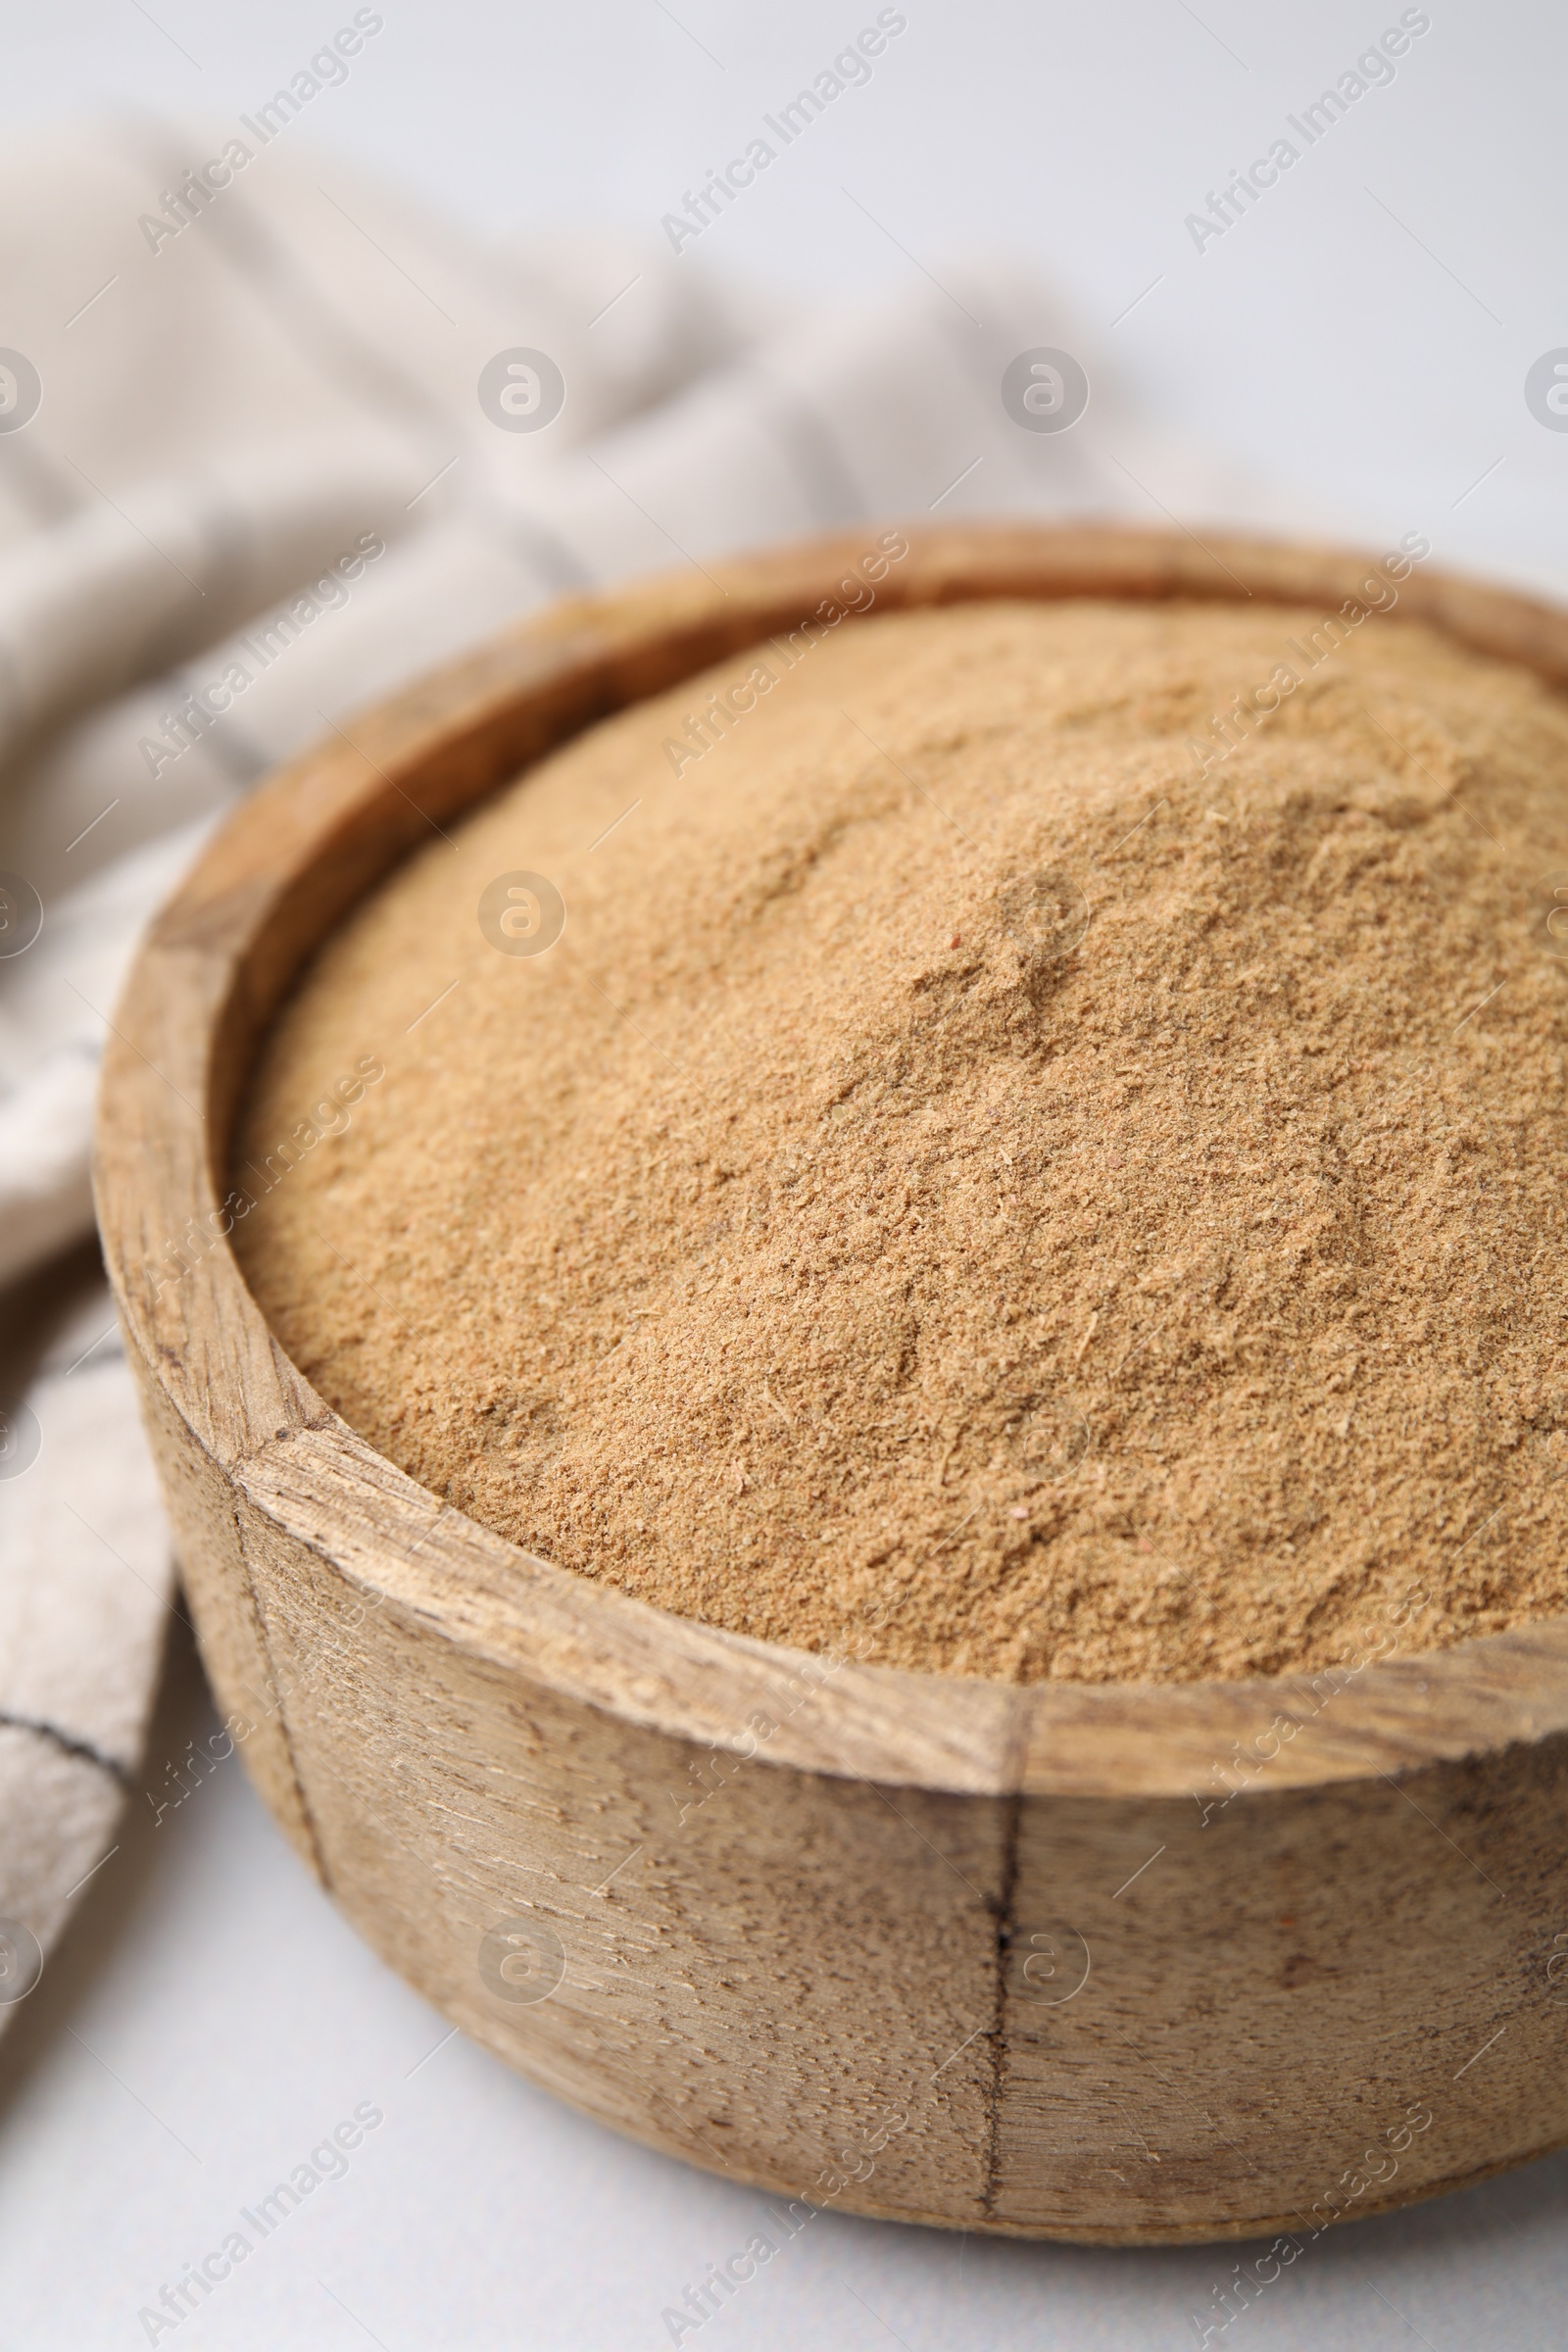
(943, 1950)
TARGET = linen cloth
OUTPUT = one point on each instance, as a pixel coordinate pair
(238, 393)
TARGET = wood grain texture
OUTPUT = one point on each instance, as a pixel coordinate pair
(1130, 1963)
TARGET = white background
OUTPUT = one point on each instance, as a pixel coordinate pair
(1360, 342)
(1374, 361)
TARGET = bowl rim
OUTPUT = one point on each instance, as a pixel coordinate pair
(225, 948)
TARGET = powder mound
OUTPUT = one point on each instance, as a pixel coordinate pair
(978, 1179)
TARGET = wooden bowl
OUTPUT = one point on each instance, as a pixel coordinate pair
(1133, 1963)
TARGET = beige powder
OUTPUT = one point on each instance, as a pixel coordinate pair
(963, 1182)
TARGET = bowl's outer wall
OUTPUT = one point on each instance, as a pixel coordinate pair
(1056, 1962)
(927, 2004)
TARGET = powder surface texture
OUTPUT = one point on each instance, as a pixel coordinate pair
(972, 1182)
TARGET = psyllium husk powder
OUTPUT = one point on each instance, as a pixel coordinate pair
(976, 1180)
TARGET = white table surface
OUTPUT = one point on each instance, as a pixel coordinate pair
(1362, 341)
